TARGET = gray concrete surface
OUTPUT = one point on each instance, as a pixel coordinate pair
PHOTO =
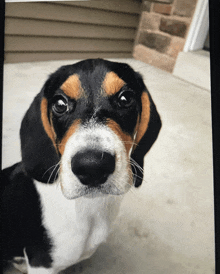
(167, 225)
(194, 67)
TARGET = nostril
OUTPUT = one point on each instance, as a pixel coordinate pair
(92, 167)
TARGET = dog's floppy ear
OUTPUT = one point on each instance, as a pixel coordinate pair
(147, 132)
(39, 155)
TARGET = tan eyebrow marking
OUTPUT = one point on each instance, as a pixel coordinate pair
(72, 87)
(112, 83)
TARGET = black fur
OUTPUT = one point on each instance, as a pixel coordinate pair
(21, 219)
(37, 150)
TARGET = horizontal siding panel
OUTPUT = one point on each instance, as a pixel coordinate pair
(13, 57)
(65, 13)
(19, 26)
(126, 6)
(27, 43)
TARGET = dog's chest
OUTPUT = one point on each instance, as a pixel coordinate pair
(76, 227)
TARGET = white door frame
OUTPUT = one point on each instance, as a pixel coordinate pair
(199, 27)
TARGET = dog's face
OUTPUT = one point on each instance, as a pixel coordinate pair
(93, 116)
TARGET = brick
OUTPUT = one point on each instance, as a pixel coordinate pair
(155, 40)
(173, 27)
(176, 45)
(154, 58)
(150, 21)
(162, 8)
(137, 38)
(184, 7)
(146, 6)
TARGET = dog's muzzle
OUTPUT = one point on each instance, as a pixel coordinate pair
(94, 162)
(93, 167)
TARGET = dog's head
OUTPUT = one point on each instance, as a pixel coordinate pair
(89, 129)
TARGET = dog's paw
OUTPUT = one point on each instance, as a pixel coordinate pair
(20, 264)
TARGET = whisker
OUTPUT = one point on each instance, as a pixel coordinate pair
(137, 165)
(56, 175)
(135, 173)
(138, 176)
(142, 178)
(52, 172)
(50, 168)
(134, 166)
(129, 142)
(135, 170)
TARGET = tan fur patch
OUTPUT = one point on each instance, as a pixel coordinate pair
(126, 138)
(127, 141)
(145, 117)
(70, 131)
(112, 83)
(72, 87)
(47, 127)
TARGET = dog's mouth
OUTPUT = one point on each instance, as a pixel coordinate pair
(91, 192)
(108, 189)
(74, 189)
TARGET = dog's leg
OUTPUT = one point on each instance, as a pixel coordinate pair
(20, 264)
(37, 270)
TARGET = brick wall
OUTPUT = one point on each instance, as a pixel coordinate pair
(162, 31)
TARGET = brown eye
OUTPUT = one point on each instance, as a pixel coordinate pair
(60, 106)
(125, 99)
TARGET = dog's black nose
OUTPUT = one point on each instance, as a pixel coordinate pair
(92, 167)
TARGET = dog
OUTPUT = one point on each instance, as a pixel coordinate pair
(83, 142)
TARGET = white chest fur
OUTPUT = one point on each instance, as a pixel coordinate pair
(77, 226)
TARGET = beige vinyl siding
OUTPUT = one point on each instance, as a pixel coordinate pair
(32, 27)
(70, 30)
(125, 6)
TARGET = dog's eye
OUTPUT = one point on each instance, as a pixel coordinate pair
(60, 106)
(125, 99)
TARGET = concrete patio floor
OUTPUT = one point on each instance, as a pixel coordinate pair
(167, 225)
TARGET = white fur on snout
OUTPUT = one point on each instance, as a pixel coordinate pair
(102, 138)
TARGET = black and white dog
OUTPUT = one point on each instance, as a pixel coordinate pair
(83, 141)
